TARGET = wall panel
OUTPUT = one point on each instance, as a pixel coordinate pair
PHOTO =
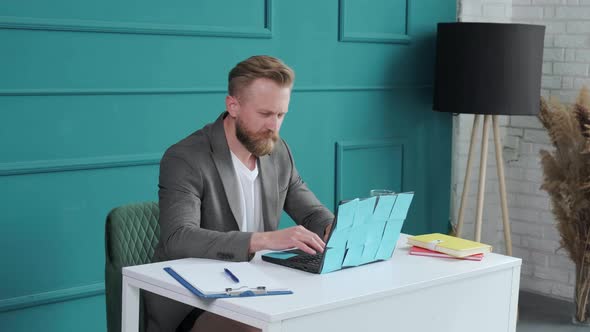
(365, 165)
(379, 21)
(250, 19)
(91, 95)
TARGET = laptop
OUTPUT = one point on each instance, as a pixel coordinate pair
(364, 231)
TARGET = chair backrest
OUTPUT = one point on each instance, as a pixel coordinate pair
(131, 235)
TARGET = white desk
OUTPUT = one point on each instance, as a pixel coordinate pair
(404, 293)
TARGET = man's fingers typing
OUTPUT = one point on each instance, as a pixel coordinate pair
(316, 243)
(311, 239)
(304, 247)
(297, 236)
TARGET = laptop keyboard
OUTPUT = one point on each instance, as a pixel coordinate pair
(309, 260)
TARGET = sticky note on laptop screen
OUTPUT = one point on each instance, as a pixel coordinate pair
(346, 212)
(365, 211)
(401, 206)
(389, 240)
(360, 225)
(333, 258)
(383, 209)
(339, 238)
(353, 256)
(369, 252)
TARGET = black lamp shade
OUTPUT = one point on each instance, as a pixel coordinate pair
(488, 68)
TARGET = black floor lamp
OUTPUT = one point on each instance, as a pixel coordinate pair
(488, 69)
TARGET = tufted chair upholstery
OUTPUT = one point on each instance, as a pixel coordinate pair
(131, 234)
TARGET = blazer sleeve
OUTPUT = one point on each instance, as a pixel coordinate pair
(302, 205)
(181, 235)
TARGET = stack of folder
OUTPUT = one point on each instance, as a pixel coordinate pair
(446, 246)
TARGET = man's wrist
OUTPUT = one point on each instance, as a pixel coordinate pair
(327, 231)
(258, 241)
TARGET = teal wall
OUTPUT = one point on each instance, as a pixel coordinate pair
(92, 92)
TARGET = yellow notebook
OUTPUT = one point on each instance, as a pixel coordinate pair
(450, 245)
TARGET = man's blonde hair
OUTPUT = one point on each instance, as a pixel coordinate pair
(259, 66)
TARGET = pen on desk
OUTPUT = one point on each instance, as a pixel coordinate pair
(231, 275)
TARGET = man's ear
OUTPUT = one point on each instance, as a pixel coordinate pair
(231, 105)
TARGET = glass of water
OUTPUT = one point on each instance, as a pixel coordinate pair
(381, 192)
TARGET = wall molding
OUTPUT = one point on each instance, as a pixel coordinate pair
(343, 146)
(77, 164)
(111, 91)
(356, 88)
(374, 37)
(60, 295)
(168, 91)
(99, 26)
(133, 160)
(386, 38)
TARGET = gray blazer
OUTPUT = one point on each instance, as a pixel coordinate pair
(199, 207)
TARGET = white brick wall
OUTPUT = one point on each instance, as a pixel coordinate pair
(566, 68)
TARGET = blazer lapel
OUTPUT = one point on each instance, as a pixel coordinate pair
(223, 162)
(270, 192)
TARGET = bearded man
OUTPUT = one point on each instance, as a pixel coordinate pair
(222, 190)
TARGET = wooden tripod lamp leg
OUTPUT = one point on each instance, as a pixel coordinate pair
(503, 200)
(482, 177)
(467, 176)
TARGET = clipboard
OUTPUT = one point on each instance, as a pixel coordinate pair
(208, 280)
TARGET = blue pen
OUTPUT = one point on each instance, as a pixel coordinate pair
(231, 275)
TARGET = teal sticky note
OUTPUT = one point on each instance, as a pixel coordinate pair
(369, 252)
(333, 258)
(384, 206)
(389, 240)
(401, 206)
(346, 213)
(364, 211)
(339, 237)
(280, 254)
(375, 232)
(358, 235)
(353, 256)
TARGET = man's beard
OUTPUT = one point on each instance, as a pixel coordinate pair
(259, 144)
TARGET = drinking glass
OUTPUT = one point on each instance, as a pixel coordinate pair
(381, 192)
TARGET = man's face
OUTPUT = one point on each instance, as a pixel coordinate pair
(259, 113)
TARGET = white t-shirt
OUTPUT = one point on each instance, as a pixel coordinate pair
(250, 200)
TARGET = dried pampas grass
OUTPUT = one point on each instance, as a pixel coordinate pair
(567, 181)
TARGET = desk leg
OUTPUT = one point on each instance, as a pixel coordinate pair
(276, 327)
(130, 315)
(514, 292)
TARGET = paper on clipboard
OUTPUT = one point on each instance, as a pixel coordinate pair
(210, 280)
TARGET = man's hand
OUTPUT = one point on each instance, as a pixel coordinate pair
(292, 237)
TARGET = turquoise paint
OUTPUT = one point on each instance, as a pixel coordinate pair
(384, 16)
(92, 94)
(383, 21)
(63, 165)
(365, 165)
(252, 21)
(68, 294)
(86, 314)
(55, 223)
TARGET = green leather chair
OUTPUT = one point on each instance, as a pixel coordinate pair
(131, 234)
